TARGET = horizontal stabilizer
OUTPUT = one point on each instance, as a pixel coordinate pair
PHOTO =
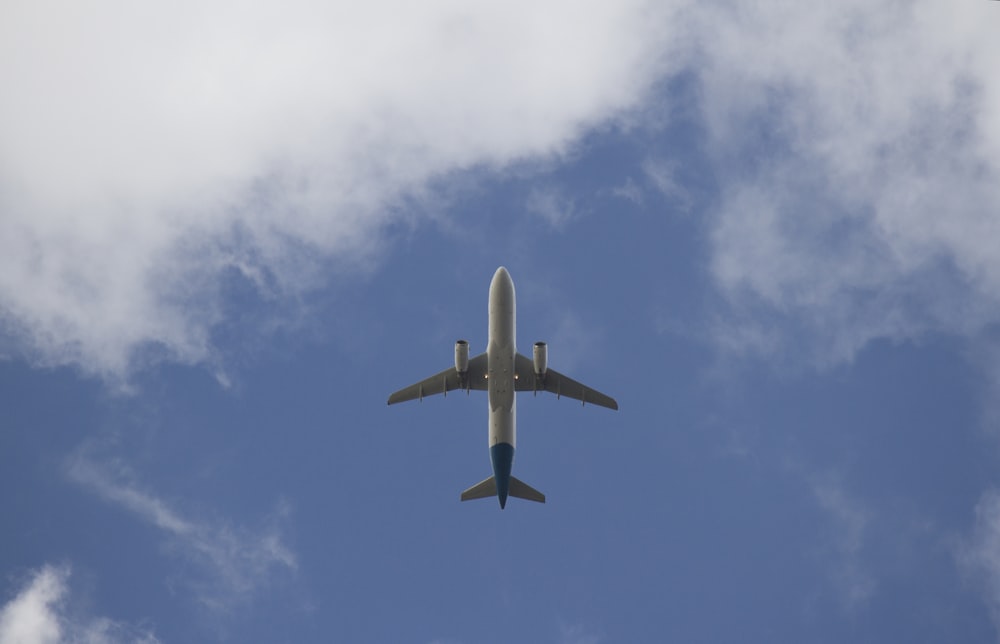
(522, 490)
(481, 490)
(488, 488)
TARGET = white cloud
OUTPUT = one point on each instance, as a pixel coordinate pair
(38, 615)
(30, 617)
(849, 519)
(234, 562)
(552, 205)
(858, 149)
(577, 634)
(149, 155)
(979, 556)
(630, 191)
(662, 173)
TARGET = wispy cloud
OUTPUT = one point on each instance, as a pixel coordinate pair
(234, 562)
(552, 205)
(662, 173)
(630, 191)
(572, 339)
(978, 556)
(577, 634)
(849, 519)
(38, 615)
(140, 172)
(858, 151)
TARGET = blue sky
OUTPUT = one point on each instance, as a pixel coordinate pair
(228, 233)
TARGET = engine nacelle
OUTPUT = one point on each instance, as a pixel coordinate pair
(462, 356)
(540, 357)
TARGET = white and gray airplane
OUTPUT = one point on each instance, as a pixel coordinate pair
(502, 371)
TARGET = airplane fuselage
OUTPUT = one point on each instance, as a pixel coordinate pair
(501, 371)
(500, 354)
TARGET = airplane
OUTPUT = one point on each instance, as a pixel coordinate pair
(502, 371)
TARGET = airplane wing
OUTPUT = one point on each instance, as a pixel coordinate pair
(556, 383)
(447, 380)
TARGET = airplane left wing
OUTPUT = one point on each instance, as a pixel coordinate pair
(556, 383)
(447, 380)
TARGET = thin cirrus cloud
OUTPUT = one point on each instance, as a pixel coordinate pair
(149, 154)
(38, 615)
(232, 563)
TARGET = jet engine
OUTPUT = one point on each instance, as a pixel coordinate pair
(540, 355)
(462, 356)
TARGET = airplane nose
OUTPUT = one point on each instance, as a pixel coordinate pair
(501, 279)
(502, 286)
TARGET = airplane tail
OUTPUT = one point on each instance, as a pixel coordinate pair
(488, 488)
(522, 490)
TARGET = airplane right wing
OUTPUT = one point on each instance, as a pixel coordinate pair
(556, 383)
(447, 380)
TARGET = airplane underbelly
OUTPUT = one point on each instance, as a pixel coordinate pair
(503, 426)
(503, 410)
(500, 360)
